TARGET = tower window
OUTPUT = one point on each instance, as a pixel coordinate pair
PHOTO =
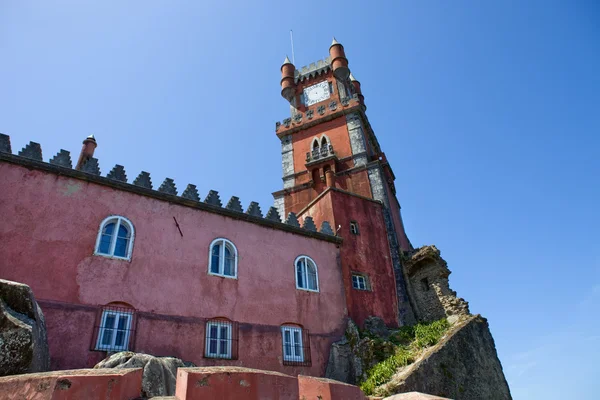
(425, 284)
(306, 274)
(360, 282)
(354, 227)
(223, 258)
(330, 88)
(115, 238)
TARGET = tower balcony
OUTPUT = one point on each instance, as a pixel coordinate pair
(320, 153)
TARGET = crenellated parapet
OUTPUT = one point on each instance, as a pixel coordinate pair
(31, 156)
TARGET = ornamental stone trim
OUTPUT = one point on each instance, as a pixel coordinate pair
(309, 224)
(333, 105)
(117, 173)
(32, 150)
(292, 220)
(310, 114)
(287, 122)
(91, 166)
(213, 199)
(143, 180)
(5, 143)
(254, 209)
(326, 228)
(63, 159)
(168, 186)
(321, 109)
(273, 215)
(191, 193)
(234, 204)
(298, 118)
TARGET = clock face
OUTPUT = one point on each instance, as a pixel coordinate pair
(316, 93)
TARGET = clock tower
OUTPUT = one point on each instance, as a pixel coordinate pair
(334, 170)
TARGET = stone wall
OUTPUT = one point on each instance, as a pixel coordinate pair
(428, 286)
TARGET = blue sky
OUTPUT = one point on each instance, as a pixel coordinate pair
(489, 113)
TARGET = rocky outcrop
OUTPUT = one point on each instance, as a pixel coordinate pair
(159, 373)
(23, 340)
(351, 357)
(464, 365)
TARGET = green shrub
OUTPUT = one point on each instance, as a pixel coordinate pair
(409, 341)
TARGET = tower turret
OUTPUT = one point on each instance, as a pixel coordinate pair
(339, 62)
(87, 151)
(288, 86)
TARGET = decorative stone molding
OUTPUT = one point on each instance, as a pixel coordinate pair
(333, 105)
(213, 198)
(254, 209)
(168, 186)
(117, 173)
(32, 150)
(292, 220)
(143, 180)
(273, 215)
(91, 166)
(63, 159)
(321, 109)
(310, 114)
(5, 143)
(234, 204)
(191, 193)
(326, 228)
(309, 224)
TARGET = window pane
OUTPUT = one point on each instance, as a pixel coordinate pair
(120, 338)
(109, 228)
(300, 273)
(213, 331)
(214, 264)
(123, 232)
(228, 267)
(312, 276)
(212, 346)
(223, 348)
(121, 247)
(107, 332)
(104, 246)
(297, 344)
(287, 343)
(354, 281)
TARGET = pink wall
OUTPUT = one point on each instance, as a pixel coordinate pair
(48, 236)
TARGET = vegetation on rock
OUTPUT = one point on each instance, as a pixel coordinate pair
(406, 344)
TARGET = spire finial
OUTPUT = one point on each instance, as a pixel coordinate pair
(352, 78)
(334, 42)
(286, 61)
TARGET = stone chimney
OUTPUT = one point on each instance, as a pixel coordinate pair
(87, 151)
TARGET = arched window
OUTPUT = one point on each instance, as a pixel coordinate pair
(315, 144)
(324, 142)
(115, 238)
(306, 274)
(222, 258)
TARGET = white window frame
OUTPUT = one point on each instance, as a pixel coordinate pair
(293, 344)
(103, 328)
(305, 273)
(225, 242)
(364, 279)
(219, 325)
(354, 228)
(113, 241)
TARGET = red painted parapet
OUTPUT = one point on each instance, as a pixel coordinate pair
(327, 389)
(233, 383)
(78, 384)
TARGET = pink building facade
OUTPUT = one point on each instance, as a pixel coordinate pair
(163, 296)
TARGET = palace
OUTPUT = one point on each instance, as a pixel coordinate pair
(123, 266)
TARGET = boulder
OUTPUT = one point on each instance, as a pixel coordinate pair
(376, 326)
(23, 339)
(159, 373)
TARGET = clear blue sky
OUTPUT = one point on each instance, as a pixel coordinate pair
(489, 113)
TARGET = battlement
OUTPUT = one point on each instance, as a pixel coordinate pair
(31, 157)
(312, 70)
